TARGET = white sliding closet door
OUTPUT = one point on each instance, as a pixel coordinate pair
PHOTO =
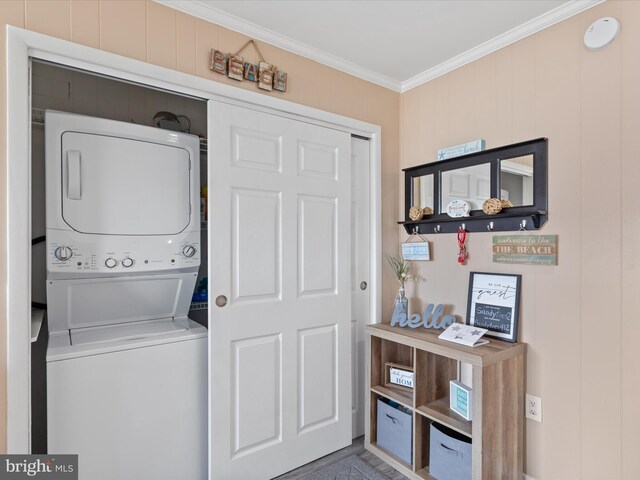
(280, 257)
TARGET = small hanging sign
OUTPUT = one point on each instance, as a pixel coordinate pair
(236, 67)
(218, 62)
(459, 150)
(280, 81)
(267, 76)
(525, 249)
(250, 72)
(415, 250)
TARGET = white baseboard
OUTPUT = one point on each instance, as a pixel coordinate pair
(527, 477)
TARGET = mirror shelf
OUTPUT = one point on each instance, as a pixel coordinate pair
(515, 173)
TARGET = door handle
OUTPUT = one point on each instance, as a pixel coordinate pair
(221, 301)
(363, 285)
(73, 175)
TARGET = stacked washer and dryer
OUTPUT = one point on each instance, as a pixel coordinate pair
(126, 368)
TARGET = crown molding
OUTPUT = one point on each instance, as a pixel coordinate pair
(518, 33)
(203, 10)
(206, 12)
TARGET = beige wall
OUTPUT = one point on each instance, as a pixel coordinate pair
(150, 32)
(580, 317)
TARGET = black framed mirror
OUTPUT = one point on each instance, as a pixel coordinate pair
(515, 174)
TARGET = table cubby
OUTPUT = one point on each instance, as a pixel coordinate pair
(496, 428)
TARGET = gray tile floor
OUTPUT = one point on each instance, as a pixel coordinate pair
(356, 448)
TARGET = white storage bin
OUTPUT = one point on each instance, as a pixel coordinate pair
(449, 454)
(395, 425)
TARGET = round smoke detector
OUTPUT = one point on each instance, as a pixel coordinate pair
(601, 33)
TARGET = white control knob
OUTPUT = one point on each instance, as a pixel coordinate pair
(127, 262)
(63, 253)
(110, 262)
(189, 251)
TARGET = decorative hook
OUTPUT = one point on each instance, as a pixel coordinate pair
(490, 227)
(523, 225)
(462, 227)
(436, 229)
(415, 231)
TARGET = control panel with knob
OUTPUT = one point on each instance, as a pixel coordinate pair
(127, 262)
(69, 257)
(63, 253)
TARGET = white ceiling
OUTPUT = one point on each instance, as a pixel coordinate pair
(397, 44)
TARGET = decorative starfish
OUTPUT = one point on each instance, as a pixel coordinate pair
(455, 329)
(458, 336)
(476, 332)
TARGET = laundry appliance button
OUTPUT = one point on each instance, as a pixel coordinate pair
(189, 251)
(127, 262)
(110, 262)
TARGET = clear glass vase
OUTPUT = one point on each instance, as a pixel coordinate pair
(401, 308)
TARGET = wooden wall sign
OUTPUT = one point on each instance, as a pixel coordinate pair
(218, 62)
(250, 72)
(525, 249)
(280, 81)
(266, 76)
(236, 67)
(415, 251)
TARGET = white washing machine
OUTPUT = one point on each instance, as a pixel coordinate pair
(126, 368)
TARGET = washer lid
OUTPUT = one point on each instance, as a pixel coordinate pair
(122, 186)
(83, 303)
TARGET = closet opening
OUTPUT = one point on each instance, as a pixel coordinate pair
(62, 89)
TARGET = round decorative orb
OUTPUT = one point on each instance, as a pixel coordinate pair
(427, 211)
(415, 213)
(492, 206)
(506, 203)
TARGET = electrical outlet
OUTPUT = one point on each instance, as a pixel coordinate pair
(533, 408)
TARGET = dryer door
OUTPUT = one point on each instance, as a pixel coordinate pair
(120, 186)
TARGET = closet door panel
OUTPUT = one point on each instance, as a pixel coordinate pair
(280, 267)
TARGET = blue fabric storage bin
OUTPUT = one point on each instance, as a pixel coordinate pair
(449, 454)
(394, 427)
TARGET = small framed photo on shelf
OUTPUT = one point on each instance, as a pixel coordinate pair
(398, 375)
(460, 399)
(493, 303)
